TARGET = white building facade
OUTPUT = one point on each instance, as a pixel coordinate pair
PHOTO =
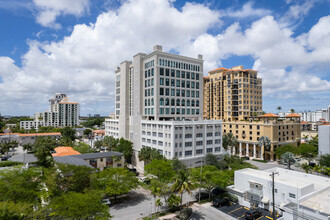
(293, 192)
(324, 139)
(62, 113)
(159, 89)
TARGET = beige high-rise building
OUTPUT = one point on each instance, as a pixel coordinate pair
(232, 94)
(235, 95)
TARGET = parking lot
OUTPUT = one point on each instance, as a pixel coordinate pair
(238, 212)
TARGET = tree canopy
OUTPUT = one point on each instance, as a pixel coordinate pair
(147, 154)
(325, 160)
(68, 136)
(162, 169)
(117, 181)
(285, 148)
(307, 151)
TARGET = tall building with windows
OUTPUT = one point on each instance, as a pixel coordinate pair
(232, 94)
(159, 95)
(62, 113)
(235, 95)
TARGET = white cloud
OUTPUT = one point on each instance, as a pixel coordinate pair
(247, 10)
(83, 63)
(49, 10)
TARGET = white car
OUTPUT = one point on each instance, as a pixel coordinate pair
(106, 202)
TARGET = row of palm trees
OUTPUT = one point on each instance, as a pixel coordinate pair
(279, 108)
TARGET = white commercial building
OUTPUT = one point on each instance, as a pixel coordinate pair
(62, 113)
(164, 91)
(311, 116)
(324, 139)
(295, 194)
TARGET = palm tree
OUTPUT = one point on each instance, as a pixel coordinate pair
(182, 183)
(265, 142)
(147, 154)
(228, 141)
(158, 204)
(292, 110)
(279, 108)
(288, 158)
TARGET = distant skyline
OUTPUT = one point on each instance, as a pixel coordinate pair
(74, 47)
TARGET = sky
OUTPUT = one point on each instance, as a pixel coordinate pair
(74, 47)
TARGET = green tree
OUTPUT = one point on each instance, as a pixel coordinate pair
(279, 108)
(292, 110)
(158, 203)
(6, 147)
(228, 141)
(20, 185)
(98, 144)
(28, 147)
(325, 160)
(91, 122)
(125, 147)
(68, 136)
(288, 158)
(16, 211)
(88, 133)
(110, 142)
(162, 169)
(285, 148)
(314, 141)
(83, 148)
(117, 181)
(212, 159)
(147, 154)
(73, 205)
(42, 150)
(178, 165)
(73, 178)
(307, 151)
(182, 182)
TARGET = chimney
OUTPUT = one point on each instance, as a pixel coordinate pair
(200, 56)
(158, 48)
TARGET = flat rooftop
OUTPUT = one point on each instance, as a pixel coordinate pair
(319, 202)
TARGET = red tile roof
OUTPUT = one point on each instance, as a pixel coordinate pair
(64, 151)
(270, 115)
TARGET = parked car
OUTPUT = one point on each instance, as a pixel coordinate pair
(204, 195)
(312, 164)
(221, 202)
(297, 159)
(245, 158)
(106, 202)
(252, 214)
(4, 158)
(218, 191)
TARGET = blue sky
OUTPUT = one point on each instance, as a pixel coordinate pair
(74, 46)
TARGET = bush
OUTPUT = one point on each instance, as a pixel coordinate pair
(185, 213)
(233, 198)
(9, 163)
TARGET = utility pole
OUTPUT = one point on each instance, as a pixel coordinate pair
(273, 191)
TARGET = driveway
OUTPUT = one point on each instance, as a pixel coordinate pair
(137, 204)
(207, 211)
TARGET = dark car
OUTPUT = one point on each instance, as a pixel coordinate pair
(4, 158)
(218, 191)
(252, 214)
(221, 202)
(204, 195)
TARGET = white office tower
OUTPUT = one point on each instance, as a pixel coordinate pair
(159, 103)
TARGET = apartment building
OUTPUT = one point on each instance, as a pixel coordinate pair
(235, 95)
(297, 195)
(232, 94)
(62, 113)
(164, 91)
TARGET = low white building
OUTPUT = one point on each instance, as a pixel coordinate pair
(295, 192)
(186, 140)
(324, 139)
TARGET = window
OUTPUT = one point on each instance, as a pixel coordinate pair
(161, 101)
(182, 101)
(173, 82)
(291, 195)
(183, 83)
(178, 102)
(178, 74)
(209, 150)
(167, 91)
(167, 82)
(209, 142)
(200, 151)
(209, 134)
(199, 135)
(172, 92)
(177, 83)
(172, 73)
(199, 143)
(217, 149)
(188, 153)
(172, 102)
(167, 72)
(178, 92)
(161, 91)
(188, 136)
(167, 102)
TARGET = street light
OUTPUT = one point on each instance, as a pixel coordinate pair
(200, 179)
